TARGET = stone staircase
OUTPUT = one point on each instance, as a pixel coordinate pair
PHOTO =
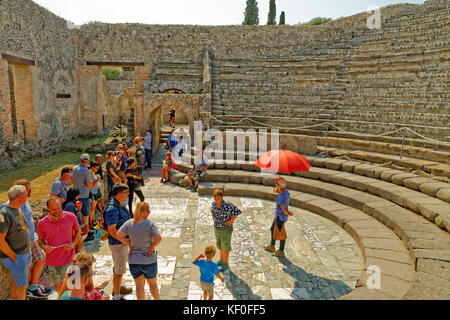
(366, 201)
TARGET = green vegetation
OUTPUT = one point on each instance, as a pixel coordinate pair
(272, 13)
(42, 171)
(112, 73)
(282, 18)
(316, 21)
(251, 14)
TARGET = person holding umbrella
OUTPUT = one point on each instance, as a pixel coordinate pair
(280, 217)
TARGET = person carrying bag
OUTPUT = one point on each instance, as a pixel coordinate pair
(278, 229)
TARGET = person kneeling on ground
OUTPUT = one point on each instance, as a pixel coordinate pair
(198, 170)
(208, 269)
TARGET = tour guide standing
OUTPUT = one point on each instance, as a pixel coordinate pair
(115, 216)
(280, 216)
(15, 252)
(223, 213)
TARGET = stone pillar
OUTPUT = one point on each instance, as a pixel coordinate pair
(6, 132)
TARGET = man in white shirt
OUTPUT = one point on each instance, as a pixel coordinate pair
(198, 170)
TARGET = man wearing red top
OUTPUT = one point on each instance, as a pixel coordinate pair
(59, 233)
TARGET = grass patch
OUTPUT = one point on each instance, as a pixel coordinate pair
(42, 171)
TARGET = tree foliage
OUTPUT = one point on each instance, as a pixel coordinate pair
(271, 17)
(317, 21)
(282, 18)
(251, 14)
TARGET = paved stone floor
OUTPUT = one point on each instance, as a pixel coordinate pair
(322, 261)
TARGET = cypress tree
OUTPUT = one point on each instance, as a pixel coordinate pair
(251, 14)
(272, 13)
(282, 18)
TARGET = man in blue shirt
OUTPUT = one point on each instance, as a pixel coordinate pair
(148, 148)
(82, 180)
(172, 140)
(281, 215)
(59, 186)
(115, 216)
(37, 254)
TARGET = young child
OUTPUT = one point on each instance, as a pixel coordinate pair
(208, 269)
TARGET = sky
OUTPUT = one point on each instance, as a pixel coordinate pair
(203, 12)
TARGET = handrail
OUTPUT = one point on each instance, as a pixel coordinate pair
(404, 129)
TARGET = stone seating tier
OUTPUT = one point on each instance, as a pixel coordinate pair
(414, 230)
(347, 125)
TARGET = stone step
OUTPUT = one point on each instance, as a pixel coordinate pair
(413, 232)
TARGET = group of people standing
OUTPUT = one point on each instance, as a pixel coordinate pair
(53, 245)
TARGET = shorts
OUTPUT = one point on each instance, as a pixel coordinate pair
(120, 257)
(208, 287)
(223, 238)
(197, 174)
(19, 269)
(86, 206)
(148, 270)
(37, 253)
(56, 275)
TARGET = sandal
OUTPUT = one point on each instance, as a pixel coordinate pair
(224, 267)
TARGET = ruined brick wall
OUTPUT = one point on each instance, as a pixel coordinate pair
(31, 32)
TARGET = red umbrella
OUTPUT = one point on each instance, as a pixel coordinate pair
(282, 161)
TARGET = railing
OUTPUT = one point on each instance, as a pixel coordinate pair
(329, 124)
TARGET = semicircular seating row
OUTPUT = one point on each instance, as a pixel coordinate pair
(400, 221)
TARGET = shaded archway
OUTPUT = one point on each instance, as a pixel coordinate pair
(173, 91)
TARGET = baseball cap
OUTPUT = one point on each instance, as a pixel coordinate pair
(85, 157)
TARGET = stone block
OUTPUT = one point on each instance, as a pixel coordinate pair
(414, 183)
(334, 164)
(349, 166)
(432, 188)
(444, 194)
(399, 178)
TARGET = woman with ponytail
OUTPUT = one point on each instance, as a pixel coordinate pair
(142, 260)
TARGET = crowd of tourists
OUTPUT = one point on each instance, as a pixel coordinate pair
(81, 208)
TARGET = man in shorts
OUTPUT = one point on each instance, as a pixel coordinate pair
(224, 213)
(82, 180)
(37, 254)
(15, 253)
(59, 233)
(198, 170)
(115, 216)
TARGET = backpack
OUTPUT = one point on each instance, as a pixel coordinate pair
(101, 220)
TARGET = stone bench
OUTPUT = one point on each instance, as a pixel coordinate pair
(409, 191)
